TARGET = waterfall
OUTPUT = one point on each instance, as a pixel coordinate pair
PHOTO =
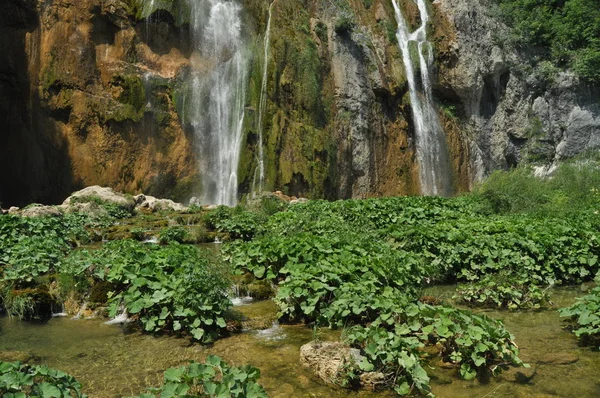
(218, 92)
(431, 146)
(262, 108)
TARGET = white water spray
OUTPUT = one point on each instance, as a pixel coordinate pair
(218, 93)
(431, 146)
(262, 108)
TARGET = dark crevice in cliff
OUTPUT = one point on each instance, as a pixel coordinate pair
(103, 30)
(494, 88)
(162, 35)
(33, 156)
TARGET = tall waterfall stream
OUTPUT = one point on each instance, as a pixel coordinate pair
(431, 146)
(220, 66)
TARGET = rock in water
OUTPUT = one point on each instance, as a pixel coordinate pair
(331, 361)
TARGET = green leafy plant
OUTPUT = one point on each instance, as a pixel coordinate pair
(214, 378)
(172, 234)
(503, 291)
(237, 222)
(20, 381)
(585, 316)
(393, 344)
(173, 288)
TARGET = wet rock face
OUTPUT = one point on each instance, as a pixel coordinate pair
(91, 102)
(514, 112)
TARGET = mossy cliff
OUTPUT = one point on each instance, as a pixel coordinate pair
(97, 105)
(99, 98)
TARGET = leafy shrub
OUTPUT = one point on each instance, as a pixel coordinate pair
(215, 378)
(504, 292)
(543, 251)
(172, 234)
(585, 314)
(334, 278)
(30, 247)
(571, 189)
(19, 381)
(393, 344)
(237, 222)
(172, 288)
(567, 31)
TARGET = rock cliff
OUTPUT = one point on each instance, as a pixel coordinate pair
(91, 93)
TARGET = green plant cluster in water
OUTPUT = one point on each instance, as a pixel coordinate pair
(360, 264)
(32, 250)
(174, 288)
(393, 344)
(503, 291)
(237, 222)
(214, 378)
(585, 316)
(20, 381)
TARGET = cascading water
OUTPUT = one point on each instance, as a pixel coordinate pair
(431, 146)
(259, 186)
(218, 92)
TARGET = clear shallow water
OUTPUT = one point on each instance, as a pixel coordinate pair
(112, 361)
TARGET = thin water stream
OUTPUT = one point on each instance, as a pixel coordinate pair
(116, 361)
(435, 170)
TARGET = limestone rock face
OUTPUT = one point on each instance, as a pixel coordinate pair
(91, 93)
(514, 112)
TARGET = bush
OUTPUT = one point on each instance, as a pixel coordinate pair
(215, 378)
(567, 30)
(585, 315)
(18, 380)
(393, 344)
(237, 222)
(173, 288)
(503, 291)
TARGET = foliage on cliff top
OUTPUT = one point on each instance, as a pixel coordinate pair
(568, 31)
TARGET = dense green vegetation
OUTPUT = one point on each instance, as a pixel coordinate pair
(359, 265)
(566, 31)
(172, 288)
(20, 381)
(215, 378)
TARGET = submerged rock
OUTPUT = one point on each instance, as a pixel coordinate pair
(17, 356)
(558, 358)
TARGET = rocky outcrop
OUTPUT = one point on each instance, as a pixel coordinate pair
(334, 362)
(514, 112)
(96, 94)
(101, 195)
(147, 202)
